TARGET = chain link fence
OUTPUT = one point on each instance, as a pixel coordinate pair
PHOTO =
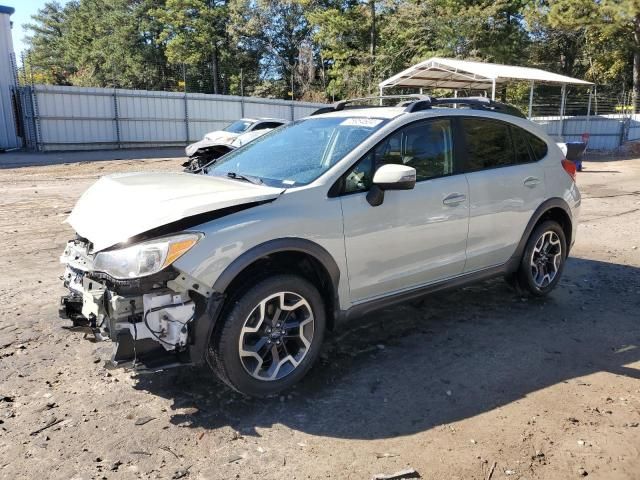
(299, 82)
(605, 121)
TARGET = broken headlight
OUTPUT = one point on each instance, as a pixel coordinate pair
(145, 258)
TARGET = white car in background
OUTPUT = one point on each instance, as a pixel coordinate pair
(220, 142)
(243, 126)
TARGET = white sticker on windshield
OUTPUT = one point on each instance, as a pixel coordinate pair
(361, 122)
(288, 182)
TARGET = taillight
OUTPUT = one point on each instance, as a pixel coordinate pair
(570, 168)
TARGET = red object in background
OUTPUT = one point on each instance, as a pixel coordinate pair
(585, 137)
(570, 168)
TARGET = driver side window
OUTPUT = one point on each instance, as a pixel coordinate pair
(426, 146)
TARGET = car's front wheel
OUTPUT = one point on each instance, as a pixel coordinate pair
(543, 259)
(269, 335)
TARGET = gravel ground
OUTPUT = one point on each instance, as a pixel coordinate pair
(469, 384)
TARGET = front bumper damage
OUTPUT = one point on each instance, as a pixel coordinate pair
(152, 321)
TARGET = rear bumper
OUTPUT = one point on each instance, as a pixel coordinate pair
(575, 206)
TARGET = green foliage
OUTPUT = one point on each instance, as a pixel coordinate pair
(278, 36)
(610, 30)
(47, 44)
(342, 34)
(323, 49)
(192, 29)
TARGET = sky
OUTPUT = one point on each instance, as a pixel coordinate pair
(24, 10)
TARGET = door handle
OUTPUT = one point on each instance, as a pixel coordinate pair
(454, 199)
(531, 182)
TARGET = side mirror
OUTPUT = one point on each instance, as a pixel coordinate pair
(390, 177)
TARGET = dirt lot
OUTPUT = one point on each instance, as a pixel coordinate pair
(469, 379)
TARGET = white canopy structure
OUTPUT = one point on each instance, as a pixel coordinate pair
(456, 75)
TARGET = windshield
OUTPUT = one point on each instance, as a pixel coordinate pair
(238, 126)
(298, 153)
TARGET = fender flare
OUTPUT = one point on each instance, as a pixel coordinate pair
(275, 246)
(555, 202)
(206, 322)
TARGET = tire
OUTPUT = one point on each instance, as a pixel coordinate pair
(241, 349)
(543, 259)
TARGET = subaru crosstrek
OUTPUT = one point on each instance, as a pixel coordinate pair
(245, 266)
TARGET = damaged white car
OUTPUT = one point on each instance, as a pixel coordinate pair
(207, 150)
(244, 267)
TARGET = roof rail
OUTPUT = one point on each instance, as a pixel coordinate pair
(344, 104)
(417, 103)
(475, 103)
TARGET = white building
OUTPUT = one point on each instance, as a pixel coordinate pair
(8, 132)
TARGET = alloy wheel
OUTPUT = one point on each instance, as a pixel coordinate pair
(546, 259)
(276, 336)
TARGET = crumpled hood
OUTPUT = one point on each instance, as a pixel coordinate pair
(120, 206)
(221, 136)
(223, 147)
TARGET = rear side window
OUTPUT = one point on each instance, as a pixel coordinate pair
(265, 125)
(538, 146)
(521, 144)
(488, 144)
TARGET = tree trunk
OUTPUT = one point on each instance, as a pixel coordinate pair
(214, 70)
(636, 63)
(372, 42)
(372, 4)
(636, 80)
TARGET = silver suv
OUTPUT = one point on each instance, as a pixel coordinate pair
(245, 266)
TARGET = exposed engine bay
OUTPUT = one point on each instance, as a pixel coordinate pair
(205, 155)
(122, 284)
(208, 150)
(119, 311)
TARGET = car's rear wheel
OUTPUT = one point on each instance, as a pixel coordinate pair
(269, 335)
(543, 259)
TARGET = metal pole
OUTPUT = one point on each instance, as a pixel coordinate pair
(531, 100)
(30, 67)
(588, 117)
(562, 101)
(241, 93)
(292, 74)
(292, 97)
(24, 70)
(35, 109)
(116, 117)
(186, 102)
(493, 89)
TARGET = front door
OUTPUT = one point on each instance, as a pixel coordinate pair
(416, 236)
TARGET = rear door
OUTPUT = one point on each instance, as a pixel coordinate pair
(416, 236)
(506, 185)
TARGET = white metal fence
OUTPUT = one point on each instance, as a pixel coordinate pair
(75, 118)
(601, 132)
